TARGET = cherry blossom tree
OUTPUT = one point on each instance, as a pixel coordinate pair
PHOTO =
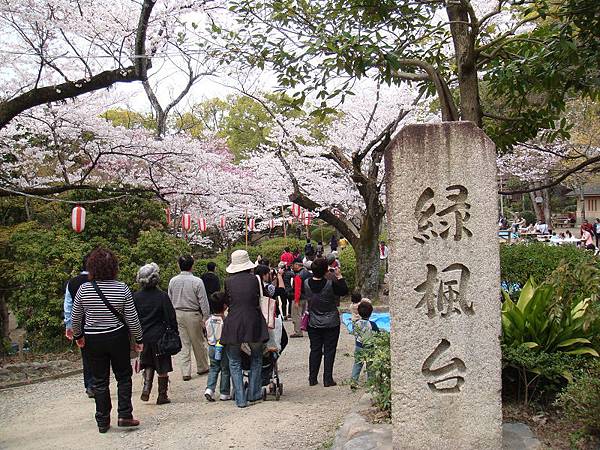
(60, 49)
(341, 168)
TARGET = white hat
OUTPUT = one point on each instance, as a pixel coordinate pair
(240, 261)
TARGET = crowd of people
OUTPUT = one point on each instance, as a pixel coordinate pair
(221, 323)
(589, 234)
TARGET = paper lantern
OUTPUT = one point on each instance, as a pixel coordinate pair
(296, 210)
(251, 224)
(168, 213)
(78, 219)
(223, 222)
(202, 224)
(307, 219)
(186, 222)
(271, 224)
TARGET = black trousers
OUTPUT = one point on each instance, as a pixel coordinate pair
(87, 370)
(105, 351)
(323, 345)
(286, 306)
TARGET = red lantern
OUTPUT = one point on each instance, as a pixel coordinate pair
(168, 213)
(271, 224)
(186, 222)
(296, 210)
(251, 224)
(78, 219)
(223, 222)
(307, 218)
(201, 224)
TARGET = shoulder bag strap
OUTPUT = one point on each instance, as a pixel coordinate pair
(112, 309)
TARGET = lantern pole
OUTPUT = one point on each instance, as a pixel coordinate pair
(246, 220)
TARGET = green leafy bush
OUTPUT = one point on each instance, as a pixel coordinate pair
(580, 400)
(539, 321)
(376, 356)
(520, 262)
(348, 266)
(538, 375)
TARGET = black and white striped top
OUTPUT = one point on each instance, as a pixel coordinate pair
(98, 318)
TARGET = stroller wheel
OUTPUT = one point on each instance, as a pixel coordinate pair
(264, 394)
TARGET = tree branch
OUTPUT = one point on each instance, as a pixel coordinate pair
(558, 180)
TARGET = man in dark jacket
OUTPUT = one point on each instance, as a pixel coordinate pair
(71, 289)
(211, 281)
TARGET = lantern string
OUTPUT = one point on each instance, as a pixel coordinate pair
(60, 200)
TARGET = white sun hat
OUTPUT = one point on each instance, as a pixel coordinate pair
(240, 261)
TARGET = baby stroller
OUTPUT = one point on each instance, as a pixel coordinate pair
(271, 384)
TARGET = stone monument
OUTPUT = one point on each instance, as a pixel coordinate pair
(444, 280)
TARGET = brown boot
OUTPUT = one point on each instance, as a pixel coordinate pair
(163, 386)
(148, 378)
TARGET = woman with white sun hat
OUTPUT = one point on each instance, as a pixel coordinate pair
(244, 324)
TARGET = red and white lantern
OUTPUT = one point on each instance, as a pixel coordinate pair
(271, 224)
(186, 222)
(201, 224)
(168, 213)
(78, 219)
(337, 213)
(296, 210)
(251, 224)
(223, 222)
(307, 219)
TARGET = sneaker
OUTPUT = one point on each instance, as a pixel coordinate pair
(209, 395)
(224, 397)
(187, 378)
(296, 335)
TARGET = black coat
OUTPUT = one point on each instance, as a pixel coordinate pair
(244, 321)
(151, 305)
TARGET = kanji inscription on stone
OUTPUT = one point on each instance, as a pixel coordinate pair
(445, 293)
(431, 224)
(441, 383)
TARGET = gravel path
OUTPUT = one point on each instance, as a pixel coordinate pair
(56, 414)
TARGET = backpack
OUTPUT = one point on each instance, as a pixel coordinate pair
(363, 330)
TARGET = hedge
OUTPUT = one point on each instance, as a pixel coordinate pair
(519, 262)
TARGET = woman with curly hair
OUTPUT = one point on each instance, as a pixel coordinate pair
(155, 311)
(103, 317)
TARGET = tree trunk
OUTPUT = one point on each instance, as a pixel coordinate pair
(4, 326)
(537, 207)
(547, 208)
(464, 47)
(366, 251)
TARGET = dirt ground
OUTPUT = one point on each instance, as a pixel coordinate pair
(57, 414)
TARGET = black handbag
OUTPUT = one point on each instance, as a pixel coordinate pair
(170, 342)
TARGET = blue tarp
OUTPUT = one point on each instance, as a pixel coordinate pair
(381, 319)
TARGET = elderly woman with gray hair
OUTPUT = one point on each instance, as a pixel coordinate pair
(154, 309)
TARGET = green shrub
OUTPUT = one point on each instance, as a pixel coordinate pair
(348, 266)
(520, 262)
(540, 321)
(580, 400)
(539, 375)
(376, 356)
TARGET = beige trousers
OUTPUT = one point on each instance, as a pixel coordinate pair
(191, 331)
(297, 311)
